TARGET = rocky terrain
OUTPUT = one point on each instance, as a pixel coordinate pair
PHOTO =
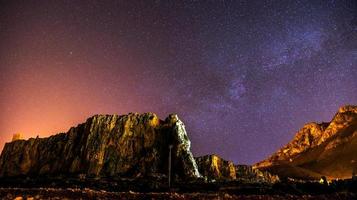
(110, 155)
(130, 145)
(127, 146)
(127, 156)
(215, 168)
(247, 173)
(319, 149)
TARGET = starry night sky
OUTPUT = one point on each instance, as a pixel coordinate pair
(244, 76)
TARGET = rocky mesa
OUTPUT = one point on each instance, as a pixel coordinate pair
(319, 149)
(133, 145)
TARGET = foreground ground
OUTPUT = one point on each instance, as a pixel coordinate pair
(57, 193)
(112, 188)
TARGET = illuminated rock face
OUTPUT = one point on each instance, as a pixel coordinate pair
(214, 167)
(249, 174)
(306, 138)
(130, 145)
(326, 149)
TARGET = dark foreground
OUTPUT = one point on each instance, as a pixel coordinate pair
(57, 193)
(94, 188)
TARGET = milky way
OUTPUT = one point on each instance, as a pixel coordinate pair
(244, 76)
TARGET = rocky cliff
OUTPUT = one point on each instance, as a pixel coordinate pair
(133, 145)
(247, 173)
(319, 149)
(214, 167)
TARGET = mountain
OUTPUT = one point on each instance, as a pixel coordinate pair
(319, 149)
(133, 145)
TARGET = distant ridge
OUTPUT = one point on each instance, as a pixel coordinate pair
(319, 149)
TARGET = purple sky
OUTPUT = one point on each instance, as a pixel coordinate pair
(244, 76)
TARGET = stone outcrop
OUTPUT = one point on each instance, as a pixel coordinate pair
(133, 145)
(214, 167)
(326, 149)
(249, 174)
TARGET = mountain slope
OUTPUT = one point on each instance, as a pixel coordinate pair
(326, 149)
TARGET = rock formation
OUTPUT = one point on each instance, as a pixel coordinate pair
(130, 145)
(214, 167)
(249, 174)
(325, 149)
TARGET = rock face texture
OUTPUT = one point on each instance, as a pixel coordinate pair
(214, 167)
(133, 145)
(249, 174)
(326, 149)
